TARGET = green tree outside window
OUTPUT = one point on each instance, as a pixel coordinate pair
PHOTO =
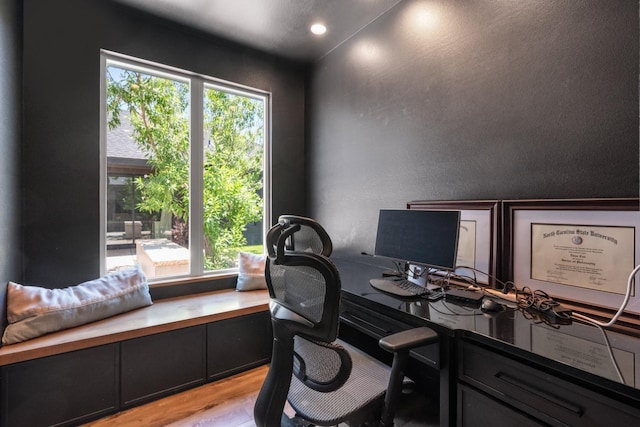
(158, 109)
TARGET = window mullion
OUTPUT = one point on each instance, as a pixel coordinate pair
(196, 238)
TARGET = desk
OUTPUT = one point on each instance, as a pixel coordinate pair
(506, 364)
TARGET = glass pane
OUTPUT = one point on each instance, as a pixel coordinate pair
(233, 183)
(147, 172)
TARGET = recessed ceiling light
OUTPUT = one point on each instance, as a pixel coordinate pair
(318, 29)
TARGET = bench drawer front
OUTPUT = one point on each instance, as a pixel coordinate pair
(65, 389)
(238, 344)
(538, 393)
(158, 365)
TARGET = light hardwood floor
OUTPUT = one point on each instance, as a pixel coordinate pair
(229, 403)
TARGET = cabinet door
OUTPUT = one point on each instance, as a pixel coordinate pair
(65, 389)
(161, 364)
(238, 344)
(477, 409)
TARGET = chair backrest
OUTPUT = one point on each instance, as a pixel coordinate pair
(303, 283)
(304, 286)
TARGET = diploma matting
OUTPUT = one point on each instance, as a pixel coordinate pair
(467, 244)
(585, 256)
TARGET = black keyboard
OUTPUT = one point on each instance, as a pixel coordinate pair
(401, 288)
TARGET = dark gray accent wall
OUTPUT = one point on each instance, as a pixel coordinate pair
(482, 99)
(62, 42)
(10, 134)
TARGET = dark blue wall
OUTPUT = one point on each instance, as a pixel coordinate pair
(474, 99)
(62, 42)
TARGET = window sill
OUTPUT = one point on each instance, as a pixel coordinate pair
(182, 286)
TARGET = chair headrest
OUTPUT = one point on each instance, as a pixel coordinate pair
(303, 283)
(297, 234)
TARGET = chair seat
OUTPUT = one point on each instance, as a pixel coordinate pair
(367, 383)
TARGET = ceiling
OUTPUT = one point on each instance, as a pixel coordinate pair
(279, 27)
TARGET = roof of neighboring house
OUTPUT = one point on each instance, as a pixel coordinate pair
(120, 142)
(123, 153)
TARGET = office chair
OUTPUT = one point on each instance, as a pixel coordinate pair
(325, 381)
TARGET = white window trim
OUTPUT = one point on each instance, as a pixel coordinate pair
(197, 83)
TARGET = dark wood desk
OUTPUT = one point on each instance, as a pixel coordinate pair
(500, 368)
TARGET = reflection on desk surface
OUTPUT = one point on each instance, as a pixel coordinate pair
(613, 356)
(455, 316)
(607, 354)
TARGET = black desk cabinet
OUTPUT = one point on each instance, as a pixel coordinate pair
(524, 392)
(489, 370)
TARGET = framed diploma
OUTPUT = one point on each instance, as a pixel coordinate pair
(479, 236)
(576, 250)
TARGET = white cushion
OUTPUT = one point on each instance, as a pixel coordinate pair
(251, 272)
(33, 311)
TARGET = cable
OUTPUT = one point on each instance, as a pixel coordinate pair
(609, 348)
(506, 286)
(614, 319)
(543, 301)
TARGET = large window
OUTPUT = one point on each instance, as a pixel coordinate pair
(184, 170)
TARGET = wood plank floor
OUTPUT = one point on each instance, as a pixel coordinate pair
(229, 403)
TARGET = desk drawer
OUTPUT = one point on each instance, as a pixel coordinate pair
(478, 409)
(538, 393)
(377, 325)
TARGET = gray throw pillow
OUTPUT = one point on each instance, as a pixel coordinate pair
(251, 272)
(33, 311)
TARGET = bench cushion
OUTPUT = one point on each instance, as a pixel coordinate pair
(33, 311)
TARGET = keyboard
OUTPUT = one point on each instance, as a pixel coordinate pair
(401, 288)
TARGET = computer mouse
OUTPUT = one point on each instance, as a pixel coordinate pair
(489, 304)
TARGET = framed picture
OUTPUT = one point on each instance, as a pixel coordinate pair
(575, 250)
(478, 239)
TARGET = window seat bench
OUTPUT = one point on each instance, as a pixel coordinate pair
(93, 370)
(164, 315)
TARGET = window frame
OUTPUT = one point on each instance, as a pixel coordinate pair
(197, 84)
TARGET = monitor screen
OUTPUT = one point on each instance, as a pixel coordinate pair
(426, 237)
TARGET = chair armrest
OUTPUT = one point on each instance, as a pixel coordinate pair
(408, 339)
(399, 344)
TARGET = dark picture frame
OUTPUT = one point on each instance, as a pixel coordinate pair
(520, 216)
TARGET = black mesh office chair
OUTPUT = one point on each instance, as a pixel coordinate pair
(326, 382)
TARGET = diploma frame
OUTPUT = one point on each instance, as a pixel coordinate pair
(486, 213)
(582, 212)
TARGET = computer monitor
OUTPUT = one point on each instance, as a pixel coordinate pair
(421, 237)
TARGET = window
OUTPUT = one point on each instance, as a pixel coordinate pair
(183, 169)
